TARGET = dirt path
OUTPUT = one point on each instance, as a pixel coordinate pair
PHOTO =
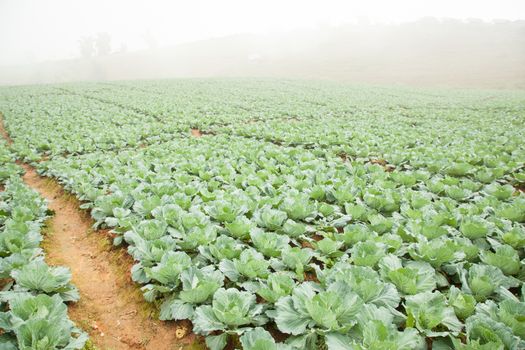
(111, 307)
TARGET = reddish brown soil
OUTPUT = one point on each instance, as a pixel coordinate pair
(111, 307)
(3, 132)
(196, 133)
(387, 167)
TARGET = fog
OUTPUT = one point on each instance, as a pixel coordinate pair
(438, 43)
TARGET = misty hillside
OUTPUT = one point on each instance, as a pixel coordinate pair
(427, 52)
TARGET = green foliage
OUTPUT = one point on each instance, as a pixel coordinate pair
(352, 217)
(33, 313)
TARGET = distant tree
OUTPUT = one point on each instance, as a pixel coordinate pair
(103, 44)
(87, 46)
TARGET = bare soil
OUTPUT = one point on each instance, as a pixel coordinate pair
(111, 307)
(196, 133)
(3, 132)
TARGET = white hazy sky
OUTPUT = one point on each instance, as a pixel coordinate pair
(36, 30)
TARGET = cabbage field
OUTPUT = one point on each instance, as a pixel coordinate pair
(33, 296)
(286, 214)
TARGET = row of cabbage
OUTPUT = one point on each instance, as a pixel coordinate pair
(206, 102)
(235, 234)
(405, 127)
(483, 145)
(58, 122)
(465, 133)
(33, 296)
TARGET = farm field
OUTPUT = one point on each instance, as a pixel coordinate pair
(264, 214)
